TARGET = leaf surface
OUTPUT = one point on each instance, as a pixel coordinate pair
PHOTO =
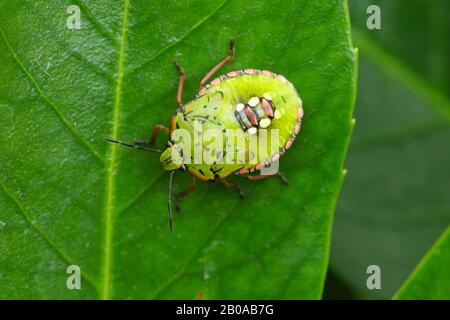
(68, 197)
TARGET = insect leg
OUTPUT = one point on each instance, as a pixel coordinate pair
(283, 178)
(183, 194)
(134, 145)
(227, 59)
(229, 185)
(155, 133)
(180, 83)
(262, 177)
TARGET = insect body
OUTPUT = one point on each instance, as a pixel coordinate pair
(243, 106)
(241, 101)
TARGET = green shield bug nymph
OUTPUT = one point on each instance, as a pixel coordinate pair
(257, 113)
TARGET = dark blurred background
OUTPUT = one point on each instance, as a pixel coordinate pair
(395, 201)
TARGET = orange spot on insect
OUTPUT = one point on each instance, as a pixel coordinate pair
(200, 296)
(260, 166)
(243, 171)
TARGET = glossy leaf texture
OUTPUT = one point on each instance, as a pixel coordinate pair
(70, 198)
(430, 279)
(395, 201)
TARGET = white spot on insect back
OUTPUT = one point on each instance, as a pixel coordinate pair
(253, 102)
(252, 130)
(277, 114)
(240, 107)
(264, 123)
(268, 96)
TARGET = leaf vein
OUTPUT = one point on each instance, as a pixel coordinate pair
(58, 112)
(106, 265)
(183, 270)
(170, 45)
(97, 25)
(62, 255)
(134, 199)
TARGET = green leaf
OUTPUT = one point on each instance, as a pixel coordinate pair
(68, 197)
(430, 279)
(395, 201)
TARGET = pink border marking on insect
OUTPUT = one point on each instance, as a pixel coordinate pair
(202, 91)
(216, 81)
(281, 78)
(275, 157)
(236, 73)
(288, 144)
(249, 71)
(297, 128)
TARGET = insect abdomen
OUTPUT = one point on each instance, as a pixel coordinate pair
(248, 100)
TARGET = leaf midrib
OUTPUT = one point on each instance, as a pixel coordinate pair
(105, 292)
(106, 264)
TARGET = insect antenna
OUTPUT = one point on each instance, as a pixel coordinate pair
(132, 145)
(170, 197)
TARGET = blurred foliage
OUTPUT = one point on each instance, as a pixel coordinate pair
(430, 279)
(68, 197)
(395, 201)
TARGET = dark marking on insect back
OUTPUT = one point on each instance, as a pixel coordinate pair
(251, 115)
(268, 107)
